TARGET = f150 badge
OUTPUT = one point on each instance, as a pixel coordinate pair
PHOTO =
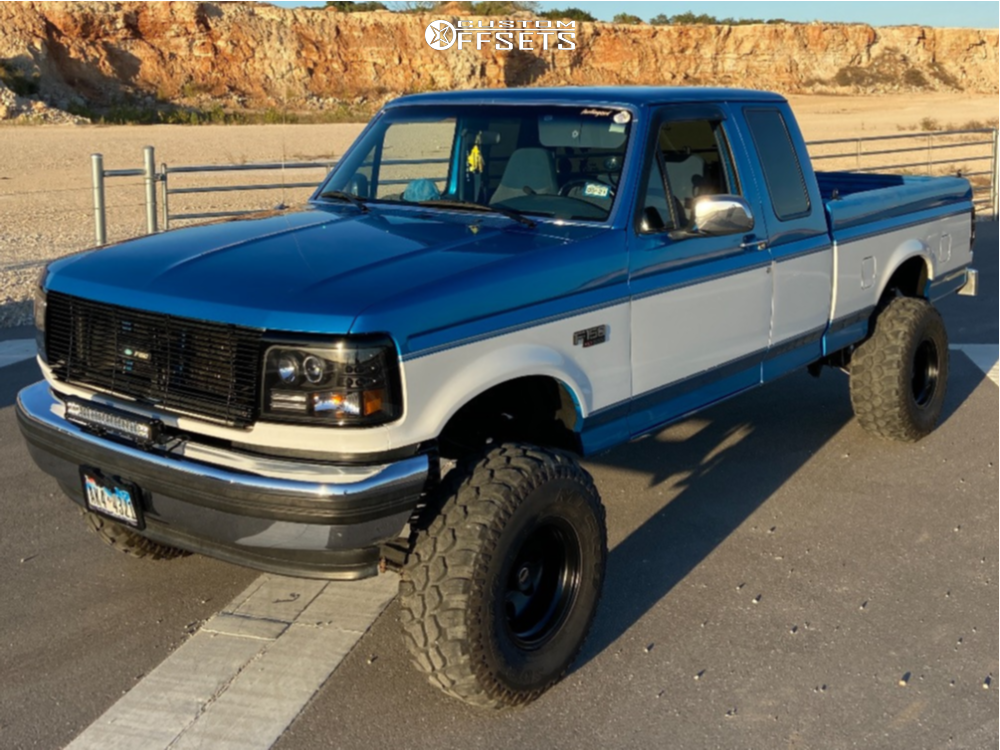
(591, 336)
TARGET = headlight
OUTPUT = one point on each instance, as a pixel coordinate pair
(353, 381)
(40, 306)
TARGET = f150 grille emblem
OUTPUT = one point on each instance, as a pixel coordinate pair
(128, 351)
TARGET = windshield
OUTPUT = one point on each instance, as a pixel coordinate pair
(560, 162)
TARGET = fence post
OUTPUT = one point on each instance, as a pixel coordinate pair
(97, 178)
(149, 168)
(995, 181)
(164, 192)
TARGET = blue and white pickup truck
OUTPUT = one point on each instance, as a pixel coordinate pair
(402, 374)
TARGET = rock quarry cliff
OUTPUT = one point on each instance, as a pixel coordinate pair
(248, 55)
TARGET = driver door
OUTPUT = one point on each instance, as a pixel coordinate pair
(701, 305)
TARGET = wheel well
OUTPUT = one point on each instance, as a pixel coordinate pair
(909, 280)
(535, 409)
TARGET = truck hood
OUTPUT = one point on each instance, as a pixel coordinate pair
(311, 270)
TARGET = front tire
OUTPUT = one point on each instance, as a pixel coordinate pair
(501, 589)
(899, 375)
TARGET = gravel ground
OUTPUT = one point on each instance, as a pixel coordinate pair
(46, 200)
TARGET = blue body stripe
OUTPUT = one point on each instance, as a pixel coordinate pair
(801, 250)
(659, 407)
(847, 330)
(514, 321)
(689, 276)
(793, 354)
(895, 223)
(655, 409)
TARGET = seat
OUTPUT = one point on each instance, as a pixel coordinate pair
(532, 168)
(685, 174)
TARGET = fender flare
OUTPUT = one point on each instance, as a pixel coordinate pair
(501, 366)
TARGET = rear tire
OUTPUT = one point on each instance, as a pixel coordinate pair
(900, 374)
(129, 542)
(501, 589)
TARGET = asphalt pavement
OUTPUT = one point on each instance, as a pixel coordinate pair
(777, 578)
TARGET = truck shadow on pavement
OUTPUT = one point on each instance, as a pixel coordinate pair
(15, 377)
(719, 468)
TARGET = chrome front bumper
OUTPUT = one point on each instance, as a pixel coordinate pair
(325, 528)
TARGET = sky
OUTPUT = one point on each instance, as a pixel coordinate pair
(982, 14)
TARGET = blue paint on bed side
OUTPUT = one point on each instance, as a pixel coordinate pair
(911, 200)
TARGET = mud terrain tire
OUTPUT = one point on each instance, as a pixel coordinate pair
(501, 588)
(899, 375)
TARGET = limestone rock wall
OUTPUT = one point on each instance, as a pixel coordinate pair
(253, 55)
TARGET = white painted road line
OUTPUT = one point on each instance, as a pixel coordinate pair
(984, 356)
(17, 350)
(241, 680)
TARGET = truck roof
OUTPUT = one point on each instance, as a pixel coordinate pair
(621, 95)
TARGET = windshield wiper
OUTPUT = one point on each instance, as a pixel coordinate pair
(510, 213)
(344, 196)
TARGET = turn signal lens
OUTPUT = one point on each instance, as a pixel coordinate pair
(373, 401)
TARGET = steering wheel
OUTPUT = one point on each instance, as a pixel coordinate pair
(582, 183)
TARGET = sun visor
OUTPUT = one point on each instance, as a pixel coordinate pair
(591, 131)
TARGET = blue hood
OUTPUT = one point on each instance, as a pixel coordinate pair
(313, 270)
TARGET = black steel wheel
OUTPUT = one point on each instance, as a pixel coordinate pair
(542, 583)
(502, 586)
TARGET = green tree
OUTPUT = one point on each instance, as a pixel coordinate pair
(626, 18)
(420, 6)
(688, 19)
(346, 6)
(568, 14)
(502, 8)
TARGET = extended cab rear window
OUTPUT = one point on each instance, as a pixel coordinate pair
(779, 162)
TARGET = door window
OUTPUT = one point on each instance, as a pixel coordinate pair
(692, 159)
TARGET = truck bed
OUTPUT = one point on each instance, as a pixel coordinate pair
(878, 222)
(856, 198)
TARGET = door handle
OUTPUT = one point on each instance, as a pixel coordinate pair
(751, 242)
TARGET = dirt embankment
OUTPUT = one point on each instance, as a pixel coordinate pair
(248, 55)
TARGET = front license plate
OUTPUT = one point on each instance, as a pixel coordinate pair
(117, 500)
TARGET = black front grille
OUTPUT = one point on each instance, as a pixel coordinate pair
(209, 370)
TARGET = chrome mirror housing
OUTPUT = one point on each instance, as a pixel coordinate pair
(717, 215)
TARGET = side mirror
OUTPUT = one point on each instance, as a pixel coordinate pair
(717, 215)
(358, 185)
(651, 221)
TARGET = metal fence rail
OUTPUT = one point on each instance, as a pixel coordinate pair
(166, 191)
(983, 148)
(979, 146)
